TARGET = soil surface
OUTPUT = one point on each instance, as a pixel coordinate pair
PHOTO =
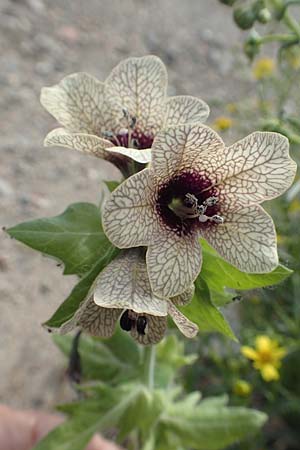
(41, 42)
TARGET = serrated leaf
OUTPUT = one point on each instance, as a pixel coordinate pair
(209, 427)
(204, 313)
(75, 237)
(68, 308)
(219, 274)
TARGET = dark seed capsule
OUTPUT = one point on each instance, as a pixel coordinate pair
(125, 322)
(141, 324)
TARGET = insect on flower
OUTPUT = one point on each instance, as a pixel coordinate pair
(120, 117)
(195, 186)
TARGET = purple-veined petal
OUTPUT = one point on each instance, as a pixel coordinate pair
(173, 263)
(124, 283)
(128, 218)
(82, 142)
(183, 109)
(246, 239)
(138, 86)
(255, 169)
(185, 148)
(188, 328)
(93, 319)
(77, 103)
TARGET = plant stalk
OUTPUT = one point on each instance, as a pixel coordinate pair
(149, 366)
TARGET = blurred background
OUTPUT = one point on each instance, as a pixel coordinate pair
(41, 41)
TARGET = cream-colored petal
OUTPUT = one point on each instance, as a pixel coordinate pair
(188, 328)
(154, 331)
(93, 319)
(185, 109)
(124, 283)
(128, 218)
(141, 156)
(246, 239)
(184, 298)
(173, 263)
(186, 147)
(255, 169)
(77, 102)
(86, 143)
(138, 85)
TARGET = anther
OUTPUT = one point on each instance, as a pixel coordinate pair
(211, 201)
(133, 122)
(217, 219)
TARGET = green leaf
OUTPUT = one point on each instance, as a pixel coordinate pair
(112, 185)
(68, 308)
(204, 313)
(219, 274)
(90, 416)
(75, 237)
(170, 357)
(211, 426)
(111, 360)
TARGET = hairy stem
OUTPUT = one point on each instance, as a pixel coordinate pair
(149, 366)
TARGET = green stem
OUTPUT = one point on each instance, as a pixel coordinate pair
(277, 37)
(292, 24)
(149, 366)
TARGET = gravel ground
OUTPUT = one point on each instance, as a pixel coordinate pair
(42, 41)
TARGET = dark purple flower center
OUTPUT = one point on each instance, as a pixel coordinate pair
(137, 140)
(184, 203)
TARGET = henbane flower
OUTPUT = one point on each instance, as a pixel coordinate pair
(195, 186)
(122, 293)
(121, 115)
(266, 356)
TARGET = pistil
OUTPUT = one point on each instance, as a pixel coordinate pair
(191, 209)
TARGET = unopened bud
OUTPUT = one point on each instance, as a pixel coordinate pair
(264, 16)
(244, 18)
(227, 2)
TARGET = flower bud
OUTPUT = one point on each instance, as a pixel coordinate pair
(227, 2)
(244, 18)
(252, 45)
(264, 16)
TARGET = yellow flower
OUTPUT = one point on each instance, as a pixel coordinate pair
(267, 356)
(222, 123)
(294, 207)
(242, 388)
(231, 108)
(263, 68)
(280, 239)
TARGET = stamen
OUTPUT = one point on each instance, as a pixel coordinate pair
(199, 210)
(211, 201)
(217, 219)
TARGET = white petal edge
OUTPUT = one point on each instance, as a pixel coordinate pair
(183, 109)
(189, 147)
(141, 156)
(255, 169)
(76, 103)
(188, 328)
(128, 218)
(246, 239)
(82, 142)
(93, 319)
(173, 263)
(139, 86)
(124, 283)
